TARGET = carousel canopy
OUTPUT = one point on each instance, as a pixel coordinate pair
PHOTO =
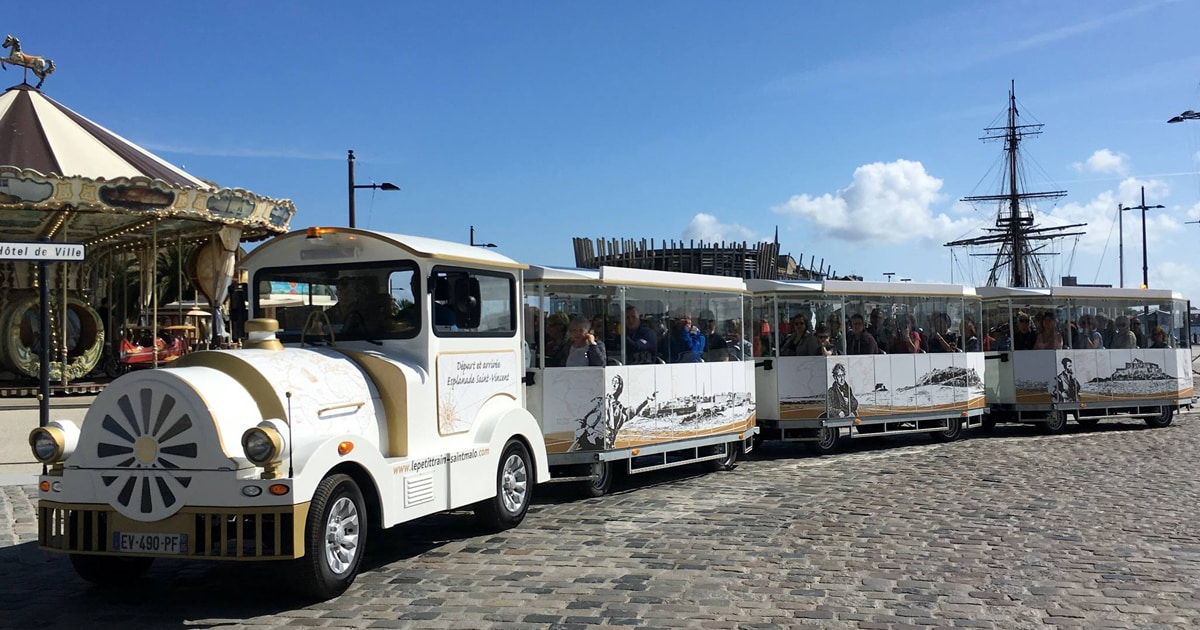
(65, 177)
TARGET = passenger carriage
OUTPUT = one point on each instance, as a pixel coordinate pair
(641, 409)
(1130, 374)
(924, 374)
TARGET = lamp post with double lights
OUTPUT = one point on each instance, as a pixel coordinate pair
(1188, 115)
(1143, 207)
(353, 186)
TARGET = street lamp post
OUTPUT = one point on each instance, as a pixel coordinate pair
(352, 185)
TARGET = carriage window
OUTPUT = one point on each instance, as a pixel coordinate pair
(471, 302)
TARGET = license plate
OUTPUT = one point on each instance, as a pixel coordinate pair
(150, 543)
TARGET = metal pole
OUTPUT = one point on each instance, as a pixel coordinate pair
(1121, 241)
(1145, 274)
(350, 188)
(44, 351)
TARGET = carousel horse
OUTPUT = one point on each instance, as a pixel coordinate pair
(41, 67)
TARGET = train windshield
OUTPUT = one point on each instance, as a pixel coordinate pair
(372, 301)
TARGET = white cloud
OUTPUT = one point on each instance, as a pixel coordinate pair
(1103, 230)
(886, 202)
(1179, 277)
(1106, 162)
(1129, 192)
(706, 227)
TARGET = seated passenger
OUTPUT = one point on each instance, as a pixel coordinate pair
(1089, 337)
(556, 340)
(998, 339)
(1158, 338)
(1124, 338)
(834, 323)
(716, 349)
(971, 341)
(858, 340)
(582, 349)
(879, 327)
(641, 343)
(739, 348)
(1135, 326)
(906, 340)
(1024, 337)
(685, 342)
(825, 345)
(800, 342)
(1048, 337)
(940, 339)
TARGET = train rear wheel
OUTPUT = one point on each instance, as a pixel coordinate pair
(1056, 422)
(1163, 419)
(601, 484)
(827, 441)
(729, 462)
(953, 431)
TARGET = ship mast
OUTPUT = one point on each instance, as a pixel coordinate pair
(1015, 233)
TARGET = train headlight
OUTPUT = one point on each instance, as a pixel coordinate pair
(262, 445)
(54, 442)
(47, 444)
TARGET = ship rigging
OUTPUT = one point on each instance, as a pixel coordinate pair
(1018, 239)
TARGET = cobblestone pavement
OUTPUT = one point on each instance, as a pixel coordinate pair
(1092, 529)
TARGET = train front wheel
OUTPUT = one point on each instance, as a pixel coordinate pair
(514, 490)
(335, 538)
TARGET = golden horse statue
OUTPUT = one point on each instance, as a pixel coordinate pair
(40, 66)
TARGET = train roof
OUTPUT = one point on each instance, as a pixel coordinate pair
(858, 287)
(635, 277)
(1093, 292)
(322, 243)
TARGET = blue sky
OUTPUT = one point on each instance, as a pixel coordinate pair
(851, 126)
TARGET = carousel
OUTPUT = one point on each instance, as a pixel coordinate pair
(151, 233)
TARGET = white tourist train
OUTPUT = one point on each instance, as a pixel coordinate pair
(389, 377)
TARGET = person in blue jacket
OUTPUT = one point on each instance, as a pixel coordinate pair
(686, 342)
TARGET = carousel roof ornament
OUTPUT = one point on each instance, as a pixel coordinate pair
(41, 66)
